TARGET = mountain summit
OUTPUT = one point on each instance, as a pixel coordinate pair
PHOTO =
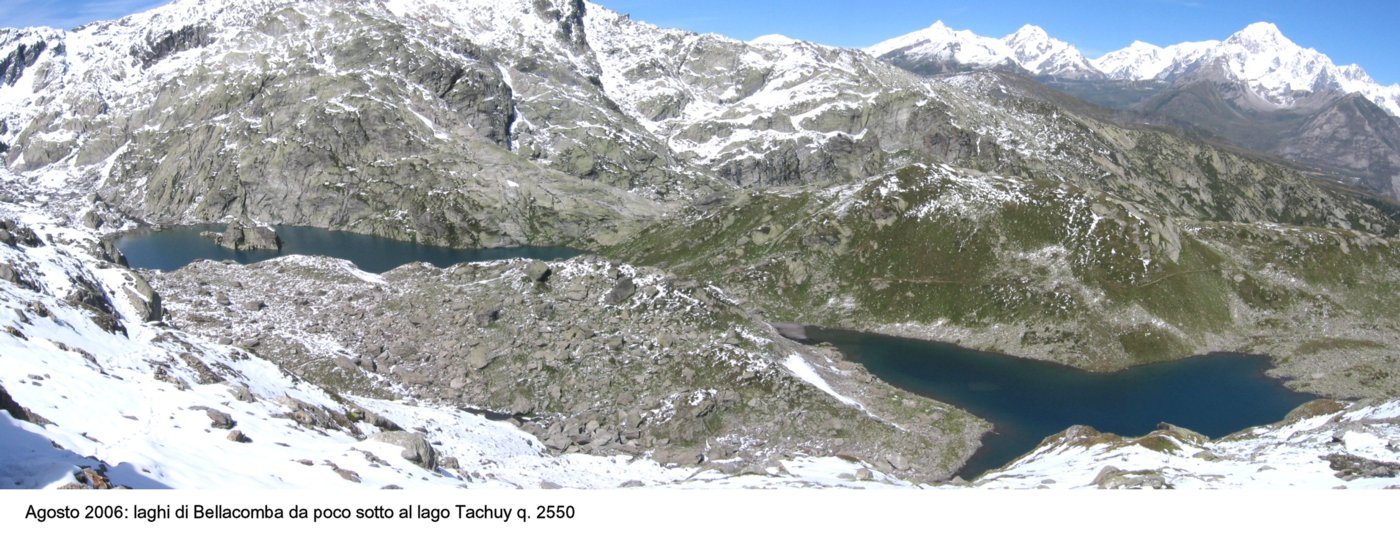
(1039, 53)
(939, 48)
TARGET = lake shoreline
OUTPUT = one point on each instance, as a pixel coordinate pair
(1027, 400)
(170, 247)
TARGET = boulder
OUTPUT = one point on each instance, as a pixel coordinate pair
(88, 478)
(107, 250)
(92, 219)
(679, 456)
(479, 358)
(242, 393)
(219, 419)
(238, 237)
(537, 271)
(622, 291)
(144, 299)
(1112, 477)
(12, 276)
(615, 342)
(17, 411)
(416, 448)
(1350, 467)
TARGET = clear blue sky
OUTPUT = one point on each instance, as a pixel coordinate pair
(1350, 31)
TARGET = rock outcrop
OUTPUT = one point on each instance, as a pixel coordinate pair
(239, 237)
(416, 449)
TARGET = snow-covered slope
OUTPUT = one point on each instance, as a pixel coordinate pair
(1259, 55)
(1331, 445)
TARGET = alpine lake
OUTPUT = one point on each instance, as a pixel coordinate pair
(1026, 400)
(171, 248)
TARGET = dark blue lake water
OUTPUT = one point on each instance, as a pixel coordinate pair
(1028, 400)
(172, 248)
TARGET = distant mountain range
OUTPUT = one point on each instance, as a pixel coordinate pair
(939, 48)
(1274, 67)
(1256, 89)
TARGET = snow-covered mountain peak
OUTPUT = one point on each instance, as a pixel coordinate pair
(1260, 56)
(941, 41)
(1031, 41)
(1030, 47)
(1034, 50)
(1262, 36)
(1145, 61)
(773, 39)
(1029, 32)
(1275, 67)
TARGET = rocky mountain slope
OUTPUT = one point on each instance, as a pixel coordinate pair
(102, 386)
(1346, 134)
(1049, 270)
(327, 113)
(589, 355)
(570, 128)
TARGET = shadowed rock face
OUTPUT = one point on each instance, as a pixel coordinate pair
(1346, 134)
(17, 411)
(14, 63)
(186, 38)
(1354, 135)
